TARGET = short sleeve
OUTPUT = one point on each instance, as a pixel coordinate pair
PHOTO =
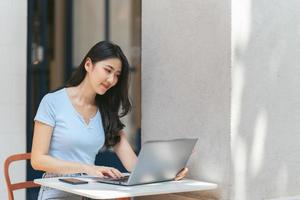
(46, 112)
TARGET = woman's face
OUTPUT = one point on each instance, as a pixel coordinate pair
(103, 74)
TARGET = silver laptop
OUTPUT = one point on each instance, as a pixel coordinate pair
(158, 161)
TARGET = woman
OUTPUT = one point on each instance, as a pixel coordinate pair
(73, 123)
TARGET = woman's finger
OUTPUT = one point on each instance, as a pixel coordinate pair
(183, 171)
(98, 173)
(117, 172)
(179, 177)
(181, 174)
(110, 173)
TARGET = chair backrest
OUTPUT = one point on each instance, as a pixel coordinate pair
(16, 186)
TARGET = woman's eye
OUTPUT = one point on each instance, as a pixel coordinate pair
(107, 70)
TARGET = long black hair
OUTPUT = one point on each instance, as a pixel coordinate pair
(114, 104)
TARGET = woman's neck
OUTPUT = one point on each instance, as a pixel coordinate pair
(83, 93)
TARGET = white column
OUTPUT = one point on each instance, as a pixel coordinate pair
(186, 81)
(13, 32)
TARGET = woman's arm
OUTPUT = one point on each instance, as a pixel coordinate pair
(40, 160)
(125, 152)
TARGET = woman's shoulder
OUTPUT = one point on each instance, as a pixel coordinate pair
(54, 96)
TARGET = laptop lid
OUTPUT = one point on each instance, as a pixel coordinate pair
(161, 160)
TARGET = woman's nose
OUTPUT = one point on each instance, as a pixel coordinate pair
(110, 78)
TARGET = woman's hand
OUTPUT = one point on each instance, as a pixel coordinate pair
(102, 171)
(181, 174)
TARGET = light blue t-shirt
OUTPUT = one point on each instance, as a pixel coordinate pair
(72, 139)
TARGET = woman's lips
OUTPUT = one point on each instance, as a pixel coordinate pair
(105, 86)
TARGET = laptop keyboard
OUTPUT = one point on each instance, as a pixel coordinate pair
(122, 179)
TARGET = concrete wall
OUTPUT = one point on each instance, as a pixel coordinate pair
(88, 19)
(265, 99)
(13, 32)
(88, 25)
(186, 81)
(186, 90)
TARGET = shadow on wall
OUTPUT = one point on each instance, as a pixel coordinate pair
(265, 99)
